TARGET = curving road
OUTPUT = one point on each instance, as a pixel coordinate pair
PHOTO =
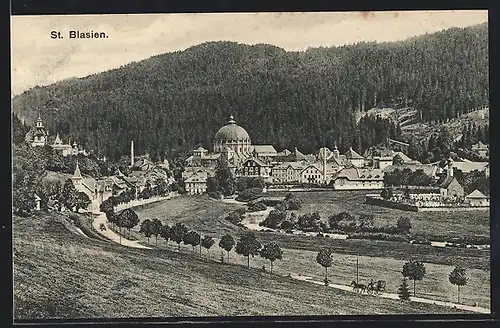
(111, 235)
(101, 218)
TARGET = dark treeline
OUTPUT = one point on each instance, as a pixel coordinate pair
(175, 101)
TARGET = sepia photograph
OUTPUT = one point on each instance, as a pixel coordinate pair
(250, 164)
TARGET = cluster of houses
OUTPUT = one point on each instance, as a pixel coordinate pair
(285, 168)
(348, 171)
(144, 171)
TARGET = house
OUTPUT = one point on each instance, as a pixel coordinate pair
(354, 158)
(200, 170)
(96, 190)
(448, 185)
(282, 156)
(254, 167)
(37, 136)
(312, 174)
(355, 178)
(477, 199)
(264, 151)
(63, 149)
(296, 156)
(196, 184)
(428, 169)
(287, 173)
(481, 149)
(381, 163)
(201, 157)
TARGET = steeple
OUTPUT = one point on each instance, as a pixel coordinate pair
(58, 140)
(231, 120)
(336, 152)
(39, 122)
(77, 173)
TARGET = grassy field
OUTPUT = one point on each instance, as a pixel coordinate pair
(58, 274)
(196, 212)
(207, 217)
(434, 223)
(300, 261)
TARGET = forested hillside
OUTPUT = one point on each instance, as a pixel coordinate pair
(175, 101)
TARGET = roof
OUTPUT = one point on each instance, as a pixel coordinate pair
(293, 165)
(467, 167)
(256, 160)
(197, 178)
(57, 141)
(316, 166)
(264, 149)
(445, 182)
(403, 156)
(297, 155)
(284, 152)
(428, 169)
(476, 194)
(232, 131)
(479, 145)
(200, 149)
(356, 174)
(77, 173)
(351, 154)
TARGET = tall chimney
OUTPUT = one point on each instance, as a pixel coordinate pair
(132, 153)
(324, 165)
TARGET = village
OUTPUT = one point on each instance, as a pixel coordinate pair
(290, 170)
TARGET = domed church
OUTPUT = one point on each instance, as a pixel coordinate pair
(234, 137)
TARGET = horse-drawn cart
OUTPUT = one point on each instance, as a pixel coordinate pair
(376, 288)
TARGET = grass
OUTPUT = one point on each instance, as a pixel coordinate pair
(207, 217)
(58, 274)
(196, 212)
(301, 261)
(434, 223)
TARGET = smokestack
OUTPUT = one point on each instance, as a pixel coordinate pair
(132, 153)
(324, 164)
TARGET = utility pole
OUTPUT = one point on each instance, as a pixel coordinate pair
(357, 271)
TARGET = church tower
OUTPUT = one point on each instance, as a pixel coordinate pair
(39, 135)
(77, 176)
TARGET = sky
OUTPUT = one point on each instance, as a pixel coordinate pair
(36, 59)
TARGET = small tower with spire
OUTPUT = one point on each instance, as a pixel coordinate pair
(40, 134)
(77, 176)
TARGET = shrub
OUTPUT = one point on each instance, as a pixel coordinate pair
(259, 206)
(249, 194)
(234, 218)
(214, 195)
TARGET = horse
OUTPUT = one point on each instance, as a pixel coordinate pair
(358, 287)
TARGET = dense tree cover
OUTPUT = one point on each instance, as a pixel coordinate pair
(473, 180)
(405, 177)
(27, 175)
(223, 181)
(171, 102)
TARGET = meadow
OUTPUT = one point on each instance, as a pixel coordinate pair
(424, 223)
(206, 216)
(58, 274)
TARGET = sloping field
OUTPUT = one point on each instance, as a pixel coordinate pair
(59, 274)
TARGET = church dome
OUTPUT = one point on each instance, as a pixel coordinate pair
(231, 132)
